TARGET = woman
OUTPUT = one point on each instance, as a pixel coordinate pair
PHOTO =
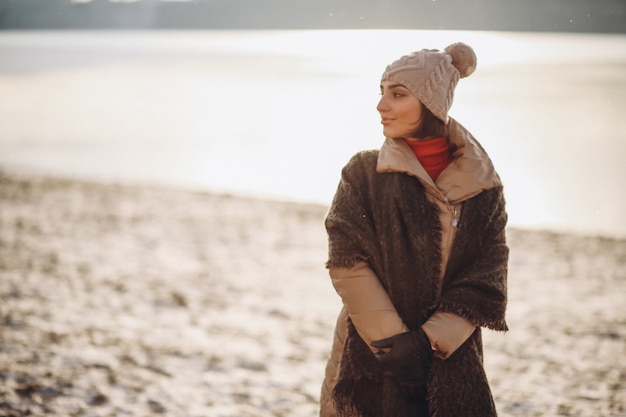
(418, 254)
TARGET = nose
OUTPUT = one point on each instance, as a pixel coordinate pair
(382, 105)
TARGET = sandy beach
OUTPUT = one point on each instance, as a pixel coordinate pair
(128, 300)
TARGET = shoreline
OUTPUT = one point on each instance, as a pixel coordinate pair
(137, 300)
(37, 174)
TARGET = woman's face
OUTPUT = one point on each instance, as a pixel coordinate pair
(399, 109)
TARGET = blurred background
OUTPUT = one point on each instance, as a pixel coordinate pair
(270, 98)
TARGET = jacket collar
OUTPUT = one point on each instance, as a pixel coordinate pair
(470, 172)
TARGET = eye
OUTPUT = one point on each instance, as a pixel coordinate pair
(394, 94)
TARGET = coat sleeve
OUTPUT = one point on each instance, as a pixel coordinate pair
(367, 303)
(348, 224)
(447, 332)
(477, 290)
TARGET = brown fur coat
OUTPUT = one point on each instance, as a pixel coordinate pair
(387, 220)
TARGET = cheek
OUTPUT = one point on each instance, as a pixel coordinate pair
(412, 119)
(411, 114)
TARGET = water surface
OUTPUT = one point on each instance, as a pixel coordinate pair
(278, 113)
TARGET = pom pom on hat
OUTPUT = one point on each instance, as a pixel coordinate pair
(463, 58)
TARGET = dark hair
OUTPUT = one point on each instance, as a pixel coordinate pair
(430, 126)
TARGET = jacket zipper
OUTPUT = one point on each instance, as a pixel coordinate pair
(455, 215)
(455, 207)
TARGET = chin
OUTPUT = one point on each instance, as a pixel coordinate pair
(389, 133)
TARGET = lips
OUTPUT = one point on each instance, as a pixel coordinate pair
(386, 120)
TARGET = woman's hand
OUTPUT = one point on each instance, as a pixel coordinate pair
(407, 360)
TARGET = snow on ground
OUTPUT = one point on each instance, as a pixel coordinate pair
(120, 300)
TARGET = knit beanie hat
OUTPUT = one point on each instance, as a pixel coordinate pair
(431, 75)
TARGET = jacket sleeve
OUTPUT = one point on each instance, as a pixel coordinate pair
(367, 303)
(374, 317)
(447, 332)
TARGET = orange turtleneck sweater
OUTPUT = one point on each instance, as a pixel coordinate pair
(433, 154)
